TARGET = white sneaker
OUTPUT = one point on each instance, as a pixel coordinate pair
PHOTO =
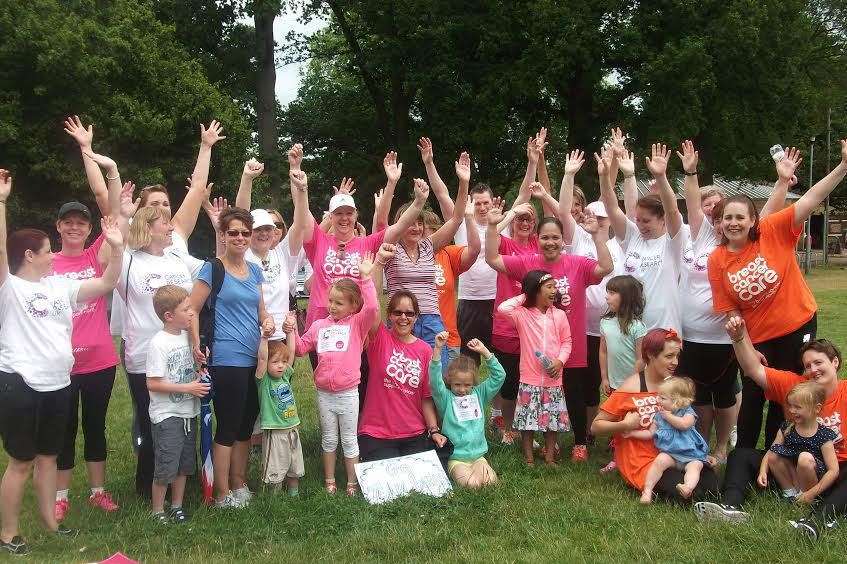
(733, 436)
(226, 503)
(709, 511)
(242, 496)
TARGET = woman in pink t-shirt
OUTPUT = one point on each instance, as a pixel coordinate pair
(573, 275)
(399, 416)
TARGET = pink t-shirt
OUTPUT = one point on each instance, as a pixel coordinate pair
(340, 343)
(92, 342)
(397, 385)
(330, 264)
(503, 335)
(573, 275)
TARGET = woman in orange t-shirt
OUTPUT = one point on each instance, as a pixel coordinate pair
(754, 274)
(631, 408)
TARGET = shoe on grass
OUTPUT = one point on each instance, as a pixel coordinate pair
(16, 546)
(61, 509)
(242, 496)
(178, 515)
(709, 511)
(806, 527)
(160, 518)
(103, 500)
(226, 503)
(63, 531)
(579, 453)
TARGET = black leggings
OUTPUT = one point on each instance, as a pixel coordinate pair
(475, 319)
(576, 389)
(511, 366)
(707, 487)
(236, 402)
(95, 390)
(592, 373)
(144, 438)
(783, 353)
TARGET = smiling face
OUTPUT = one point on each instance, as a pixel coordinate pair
(736, 222)
(42, 259)
(708, 204)
(403, 317)
(161, 230)
(550, 242)
(523, 227)
(157, 200)
(74, 229)
(461, 383)
(546, 295)
(343, 222)
(665, 362)
(800, 414)
(481, 205)
(650, 225)
(238, 235)
(340, 304)
(263, 239)
(414, 233)
(818, 367)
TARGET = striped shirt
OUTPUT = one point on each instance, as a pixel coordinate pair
(402, 273)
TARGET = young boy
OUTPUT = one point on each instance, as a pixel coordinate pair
(175, 390)
(282, 455)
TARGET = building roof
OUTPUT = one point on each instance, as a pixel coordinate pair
(755, 190)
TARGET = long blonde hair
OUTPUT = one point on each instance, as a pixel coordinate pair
(139, 231)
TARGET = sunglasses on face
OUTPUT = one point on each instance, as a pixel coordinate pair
(236, 232)
(402, 313)
(525, 218)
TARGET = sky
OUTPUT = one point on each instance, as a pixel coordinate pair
(288, 76)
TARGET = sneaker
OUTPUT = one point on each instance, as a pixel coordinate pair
(177, 515)
(806, 527)
(610, 467)
(733, 436)
(63, 531)
(509, 437)
(579, 453)
(61, 509)
(242, 496)
(706, 510)
(103, 500)
(16, 546)
(160, 518)
(226, 503)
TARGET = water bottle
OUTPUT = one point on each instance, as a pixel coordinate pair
(777, 153)
(545, 361)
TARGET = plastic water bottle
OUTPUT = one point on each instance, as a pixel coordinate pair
(545, 361)
(777, 153)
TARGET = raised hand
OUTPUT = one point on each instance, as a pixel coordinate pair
(626, 163)
(298, 179)
(787, 166)
(495, 214)
(378, 197)
(843, 151)
(574, 161)
(112, 232)
(541, 140)
(618, 142)
(421, 190)
(290, 324)
(295, 156)
(385, 253)
(366, 265)
(5, 184)
(603, 164)
(345, 187)
(214, 208)
(463, 167)
(393, 169)
(589, 222)
(735, 328)
(536, 189)
(209, 137)
(253, 169)
(425, 147)
(657, 162)
(688, 156)
(532, 151)
(268, 326)
(478, 347)
(128, 205)
(82, 135)
(102, 161)
(523, 209)
(441, 339)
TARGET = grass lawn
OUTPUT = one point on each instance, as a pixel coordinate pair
(570, 513)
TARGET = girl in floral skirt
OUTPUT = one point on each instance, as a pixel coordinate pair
(545, 338)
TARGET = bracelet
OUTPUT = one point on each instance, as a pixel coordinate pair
(3, 202)
(737, 340)
(379, 262)
(112, 177)
(686, 173)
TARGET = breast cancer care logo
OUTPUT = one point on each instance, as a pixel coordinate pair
(403, 371)
(646, 407)
(341, 264)
(152, 281)
(564, 288)
(755, 281)
(38, 306)
(440, 280)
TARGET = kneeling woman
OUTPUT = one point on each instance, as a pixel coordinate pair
(632, 407)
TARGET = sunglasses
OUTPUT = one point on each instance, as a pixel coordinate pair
(402, 313)
(525, 218)
(235, 232)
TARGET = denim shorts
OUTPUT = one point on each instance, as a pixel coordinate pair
(427, 326)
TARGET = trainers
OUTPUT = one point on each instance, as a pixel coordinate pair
(16, 546)
(160, 518)
(806, 527)
(61, 509)
(579, 453)
(102, 500)
(226, 503)
(610, 467)
(509, 437)
(706, 511)
(733, 436)
(63, 531)
(242, 496)
(177, 515)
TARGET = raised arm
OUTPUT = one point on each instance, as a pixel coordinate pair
(541, 144)
(5, 190)
(549, 205)
(471, 251)
(96, 287)
(252, 170)
(442, 193)
(607, 194)
(492, 239)
(385, 254)
(822, 188)
(262, 357)
(214, 208)
(573, 163)
(114, 191)
(657, 164)
(393, 233)
(748, 359)
(185, 218)
(393, 171)
(786, 178)
(446, 232)
(600, 237)
(84, 138)
(689, 158)
(303, 227)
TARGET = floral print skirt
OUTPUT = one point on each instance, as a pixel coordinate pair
(541, 409)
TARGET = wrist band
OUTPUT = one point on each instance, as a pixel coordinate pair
(112, 177)
(737, 340)
(686, 173)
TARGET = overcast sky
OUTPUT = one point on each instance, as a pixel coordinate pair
(288, 76)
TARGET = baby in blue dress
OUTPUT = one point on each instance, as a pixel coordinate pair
(674, 433)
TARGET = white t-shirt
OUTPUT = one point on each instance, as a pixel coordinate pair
(147, 273)
(479, 282)
(700, 323)
(653, 262)
(179, 249)
(277, 267)
(36, 321)
(169, 357)
(595, 296)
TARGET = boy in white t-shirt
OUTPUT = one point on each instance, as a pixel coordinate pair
(175, 390)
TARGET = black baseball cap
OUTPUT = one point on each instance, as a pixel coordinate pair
(74, 207)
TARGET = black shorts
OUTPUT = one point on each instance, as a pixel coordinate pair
(475, 318)
(714, 369)
(235, 401)
(592, 372)
(32, 423)
(511, 364)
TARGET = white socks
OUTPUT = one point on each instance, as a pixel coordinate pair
(62, 495)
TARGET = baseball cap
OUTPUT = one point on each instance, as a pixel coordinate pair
(261, 218)
(74, 207)
(340, 201)
(597, 208)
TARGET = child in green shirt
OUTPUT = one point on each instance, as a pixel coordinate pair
(282, 455)
(461, 404)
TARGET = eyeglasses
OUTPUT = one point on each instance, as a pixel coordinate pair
(235, 232)
(525, 218)
(406, 314)
(279, 225)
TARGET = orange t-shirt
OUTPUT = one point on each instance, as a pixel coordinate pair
(833, 410)
(448, 267)
(633, 456)
(763, 281)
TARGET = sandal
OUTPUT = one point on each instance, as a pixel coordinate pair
(352, 489)
(330, 487)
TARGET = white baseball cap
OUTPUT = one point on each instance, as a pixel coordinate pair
(261, 218)
(340, 201)
(597, 208)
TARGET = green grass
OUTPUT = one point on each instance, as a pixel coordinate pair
(570, 513)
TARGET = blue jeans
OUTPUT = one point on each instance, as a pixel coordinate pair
(427, 326)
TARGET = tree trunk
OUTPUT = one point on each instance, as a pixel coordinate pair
(263, 17)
